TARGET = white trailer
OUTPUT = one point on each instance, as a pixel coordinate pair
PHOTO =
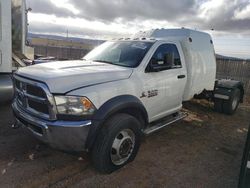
(13, 32)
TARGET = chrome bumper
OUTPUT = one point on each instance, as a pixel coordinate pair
(63, 135)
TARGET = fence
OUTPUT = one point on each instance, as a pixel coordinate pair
(234, 69)
(61, 52)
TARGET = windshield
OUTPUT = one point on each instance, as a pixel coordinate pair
(122, 53)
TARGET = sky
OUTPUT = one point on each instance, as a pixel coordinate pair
(227, 21)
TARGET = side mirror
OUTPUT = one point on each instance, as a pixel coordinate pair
(153, 66)
(157, 65)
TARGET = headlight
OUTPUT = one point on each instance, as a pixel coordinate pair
(72, 105)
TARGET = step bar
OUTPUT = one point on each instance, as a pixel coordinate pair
(165, 122)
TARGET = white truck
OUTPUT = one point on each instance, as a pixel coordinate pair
(120, 91)
(13, 32)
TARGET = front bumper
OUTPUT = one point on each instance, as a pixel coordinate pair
(63, 135)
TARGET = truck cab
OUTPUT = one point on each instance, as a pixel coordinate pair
(121, 90)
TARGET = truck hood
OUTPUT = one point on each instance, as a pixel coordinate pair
(64, 76)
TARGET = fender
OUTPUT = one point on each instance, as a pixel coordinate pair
(224, 88)
(109, 108)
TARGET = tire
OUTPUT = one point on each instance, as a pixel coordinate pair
(231, 105)
(120, 130)
(218, 103)
(244, 180)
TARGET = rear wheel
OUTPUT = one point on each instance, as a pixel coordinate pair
(228, 106)
(231, 105)
(117, 143)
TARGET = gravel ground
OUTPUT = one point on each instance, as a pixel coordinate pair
(204, 150)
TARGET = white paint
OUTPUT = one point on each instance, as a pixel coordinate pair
(100, 82)
(198, 55)
(65, 76)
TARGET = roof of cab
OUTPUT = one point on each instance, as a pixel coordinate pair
(159, 34)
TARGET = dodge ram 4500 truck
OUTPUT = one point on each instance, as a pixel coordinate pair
(120, 91)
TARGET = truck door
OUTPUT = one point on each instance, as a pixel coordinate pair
(166, 79)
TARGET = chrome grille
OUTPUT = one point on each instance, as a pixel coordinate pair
(34, 97)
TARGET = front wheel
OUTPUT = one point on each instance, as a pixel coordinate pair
(117, 143)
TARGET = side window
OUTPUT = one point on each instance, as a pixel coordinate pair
(166, 57)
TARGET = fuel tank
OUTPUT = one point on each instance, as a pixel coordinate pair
(6, 88)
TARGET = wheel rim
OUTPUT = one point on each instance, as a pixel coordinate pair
(122, 147)
(235, 102)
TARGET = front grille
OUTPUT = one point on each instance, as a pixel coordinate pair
(38, 106)
(36, 91)
(34, 97)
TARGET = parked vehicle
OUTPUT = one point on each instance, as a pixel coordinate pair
(121, 90)
(13, 49)
(43, 60)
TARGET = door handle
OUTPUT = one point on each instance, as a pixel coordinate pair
(181, 76)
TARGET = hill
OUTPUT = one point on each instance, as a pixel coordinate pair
(73, 39)
(218, 56)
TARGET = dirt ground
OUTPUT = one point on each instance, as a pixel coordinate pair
(204, 150)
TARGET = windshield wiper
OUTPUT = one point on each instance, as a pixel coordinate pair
(109, 62)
